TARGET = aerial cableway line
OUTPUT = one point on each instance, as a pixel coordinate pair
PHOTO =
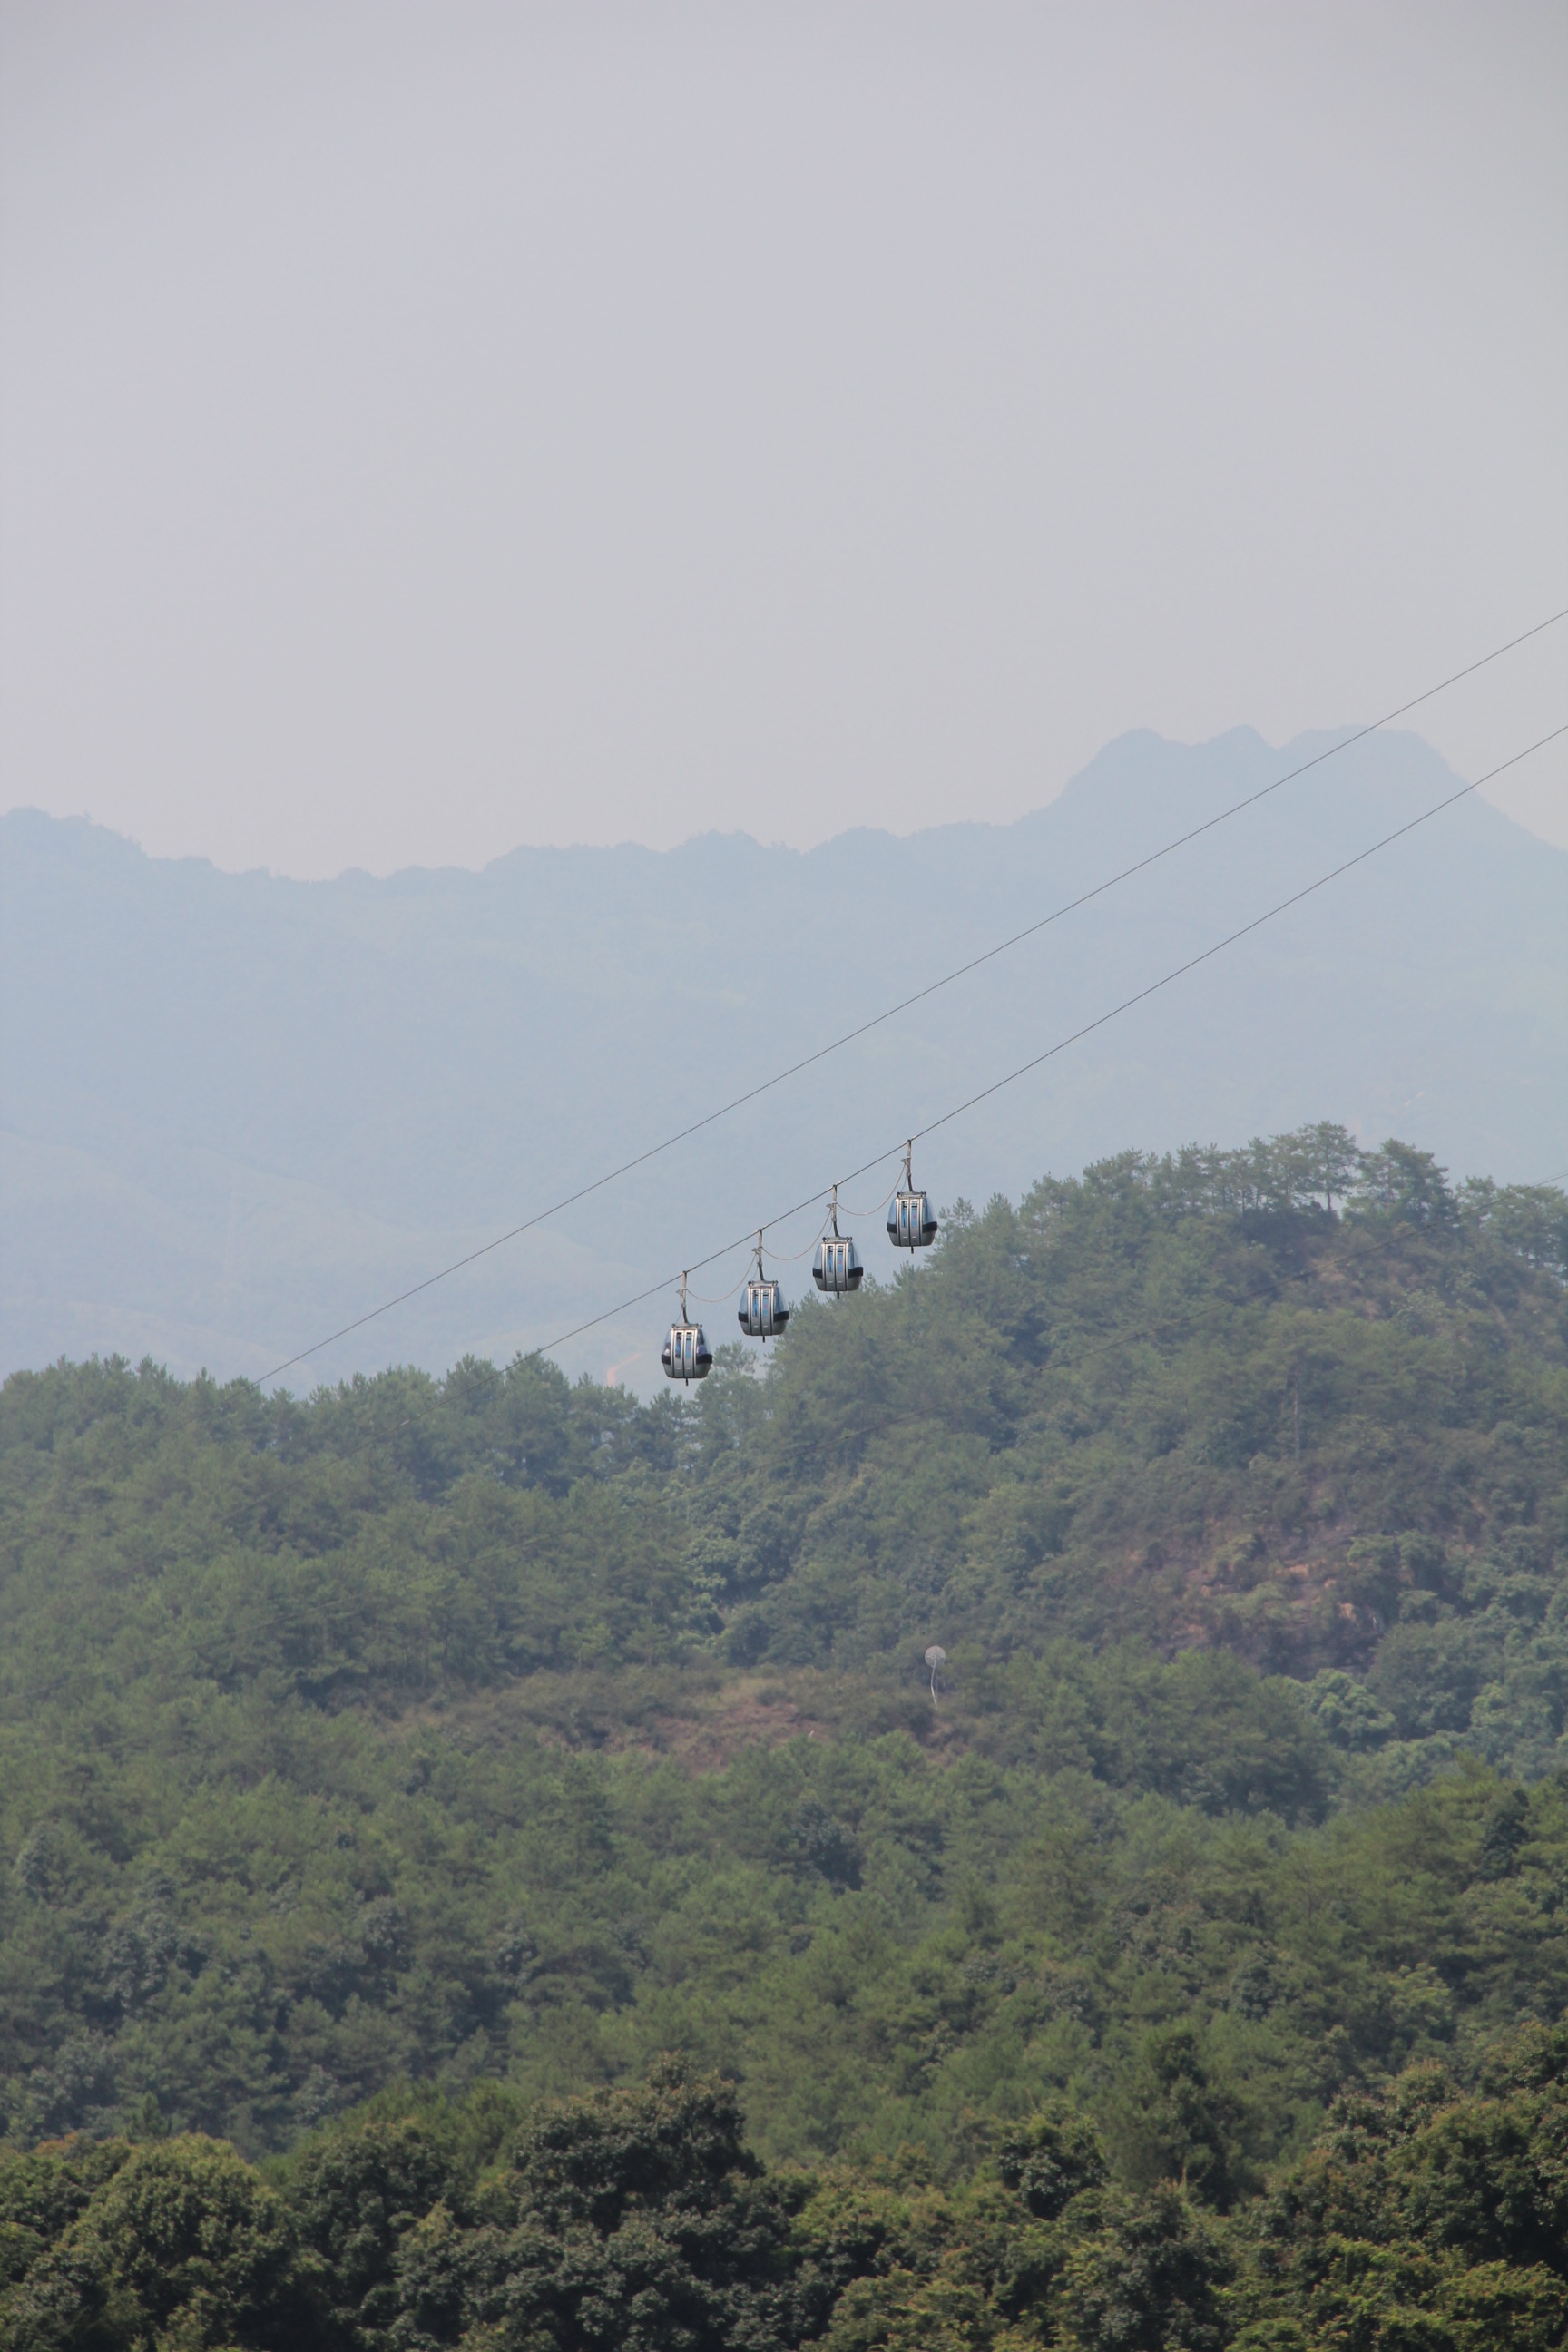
(947, 980)
(1049, 1053)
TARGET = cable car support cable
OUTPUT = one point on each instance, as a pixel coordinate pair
(960, 971)
(1140, 996)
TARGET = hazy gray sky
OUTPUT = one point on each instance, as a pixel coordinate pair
(430, 428)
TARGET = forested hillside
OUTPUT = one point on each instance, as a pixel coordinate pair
(494, 1737)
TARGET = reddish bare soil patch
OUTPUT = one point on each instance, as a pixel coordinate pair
(743, 1715)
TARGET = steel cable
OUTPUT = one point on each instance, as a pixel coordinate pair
(1140, 996)
(960, 971)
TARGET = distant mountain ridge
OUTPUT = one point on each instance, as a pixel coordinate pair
(236, 1111)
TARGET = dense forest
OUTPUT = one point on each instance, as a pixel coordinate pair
(487, 1863)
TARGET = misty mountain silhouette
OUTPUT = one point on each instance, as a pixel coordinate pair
(238, 1109)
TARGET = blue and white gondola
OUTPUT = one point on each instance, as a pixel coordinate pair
(836, 1268)
(685, 1355)
(761, 1314)
(911, 1220)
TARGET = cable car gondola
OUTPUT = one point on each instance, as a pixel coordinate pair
(911, 1220)
(836, 1267)
(685, 1355)
(761, 1314)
